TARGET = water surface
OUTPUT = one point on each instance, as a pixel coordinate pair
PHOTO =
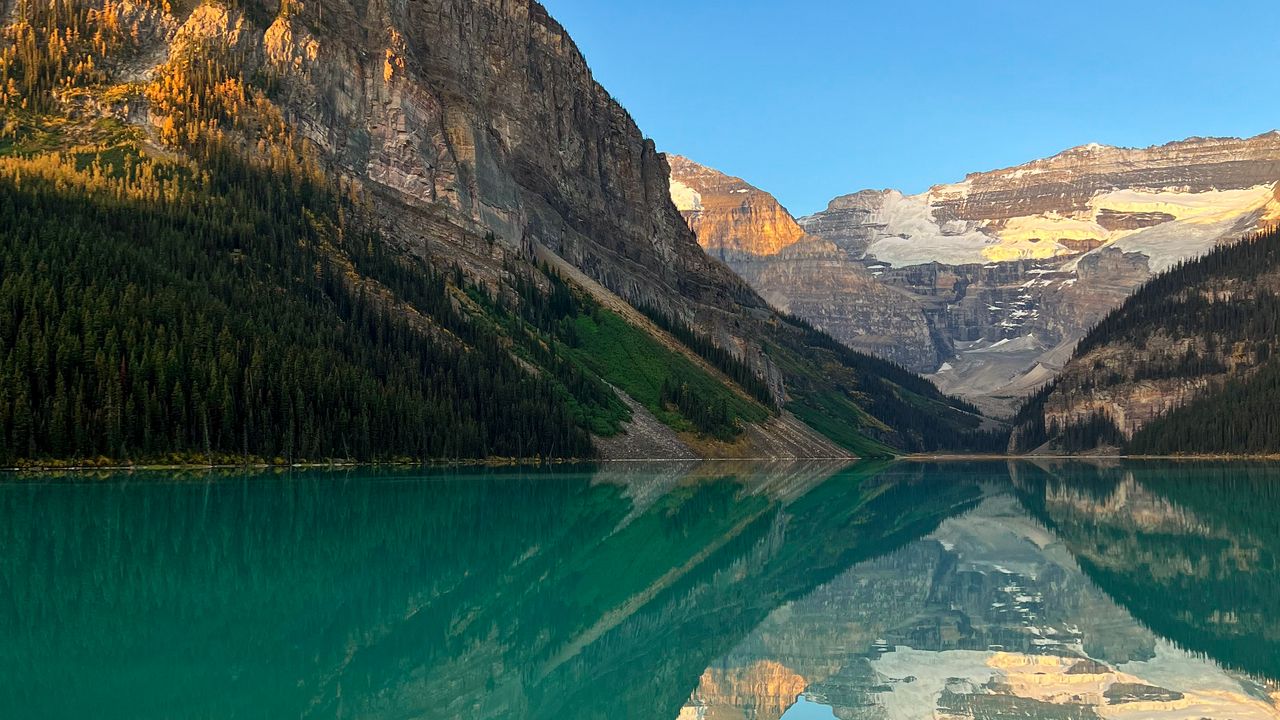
(878, 590)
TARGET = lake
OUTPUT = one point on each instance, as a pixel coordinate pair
(714, 590)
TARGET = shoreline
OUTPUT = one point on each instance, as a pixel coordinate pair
(946, 457)
(335, 465)
(37, 468)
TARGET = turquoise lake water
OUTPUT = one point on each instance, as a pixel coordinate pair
(714, 590)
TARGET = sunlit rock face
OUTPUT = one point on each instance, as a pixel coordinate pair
(728, 215)
(761, 691)
(1040, 252)
(481, 128)
(1034, 254)
(1073, 202)
(478, 137)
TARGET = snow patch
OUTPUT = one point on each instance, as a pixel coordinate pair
(911, 235)
(686, 198)
(914, 237)
(1050, 228)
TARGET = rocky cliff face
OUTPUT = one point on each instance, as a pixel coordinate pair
(1044, 250)
(729, 216)
(1101, 383)
(1164, 201)
(476, 136)
(818, 282)
(486, 116)
(1032, 255)
(1086, 181)
(481, 127)
(477, 125)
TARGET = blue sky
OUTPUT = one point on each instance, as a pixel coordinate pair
(812, 99)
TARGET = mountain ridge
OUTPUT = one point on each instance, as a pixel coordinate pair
(1035, 253)
(1185, 365)
(469, 140)
(1093, 147)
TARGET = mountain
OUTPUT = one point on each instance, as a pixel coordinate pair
(729, 216)
(292, 231)
(1189, 364)
(796, 272)
(1010, 268)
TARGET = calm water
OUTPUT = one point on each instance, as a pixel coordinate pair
(677, 591)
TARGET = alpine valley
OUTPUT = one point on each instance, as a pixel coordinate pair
(988, 284)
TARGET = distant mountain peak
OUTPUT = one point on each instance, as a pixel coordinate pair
(1039, 250)
(728, 214)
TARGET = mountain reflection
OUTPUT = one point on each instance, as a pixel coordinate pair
(1192, 550)
(704, 590)
(1070, 591)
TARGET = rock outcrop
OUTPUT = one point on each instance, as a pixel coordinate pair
(1165, 201)
(486, 115)
(1040, 252)
(1080, 181)
(729, 216)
